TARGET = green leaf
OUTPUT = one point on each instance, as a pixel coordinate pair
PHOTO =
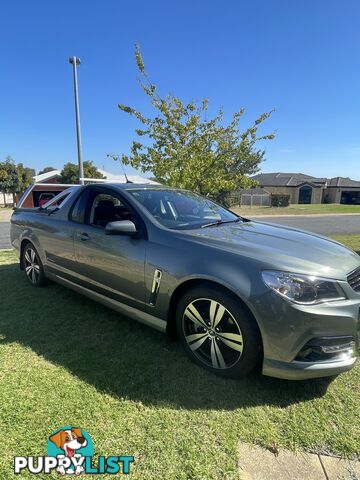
(184, 147)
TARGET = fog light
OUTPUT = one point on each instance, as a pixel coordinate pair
(338, 348)
(327, 349)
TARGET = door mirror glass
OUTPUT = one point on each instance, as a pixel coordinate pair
(120, 227)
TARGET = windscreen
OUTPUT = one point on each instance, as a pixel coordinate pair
(179, 209)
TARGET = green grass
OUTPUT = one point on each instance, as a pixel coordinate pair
(352, 241)
(67, 360)
(323, 209)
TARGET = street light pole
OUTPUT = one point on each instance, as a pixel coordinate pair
(75, 61)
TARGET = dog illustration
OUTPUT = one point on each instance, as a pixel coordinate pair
(69, 441)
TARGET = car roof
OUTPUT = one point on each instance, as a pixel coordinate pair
(135, 186)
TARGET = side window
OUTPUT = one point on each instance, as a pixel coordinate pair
(107, 208)
(77, 211)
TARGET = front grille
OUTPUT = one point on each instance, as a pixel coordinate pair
(354, 279)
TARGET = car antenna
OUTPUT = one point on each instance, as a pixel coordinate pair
(117, 158)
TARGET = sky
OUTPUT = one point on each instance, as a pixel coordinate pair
(299, 57)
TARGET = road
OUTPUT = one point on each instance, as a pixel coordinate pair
(323, 224)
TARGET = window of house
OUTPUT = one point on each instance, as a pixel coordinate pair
(305, 193)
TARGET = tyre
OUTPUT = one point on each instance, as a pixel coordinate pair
(217, 332)
(32, 266)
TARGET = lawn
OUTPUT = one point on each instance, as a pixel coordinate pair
(67, 360)
(323, 209)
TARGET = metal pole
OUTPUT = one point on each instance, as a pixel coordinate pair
(75, 62)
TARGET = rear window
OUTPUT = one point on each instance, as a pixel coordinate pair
(59, 200)
(48, 200)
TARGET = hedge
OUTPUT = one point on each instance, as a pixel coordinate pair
(280, 200)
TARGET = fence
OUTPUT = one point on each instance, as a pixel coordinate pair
(6, 200)
(250, 199)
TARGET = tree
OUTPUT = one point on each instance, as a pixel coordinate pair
(14, 178)
(185, 148)
(46, 169)
(70, 172)
(26, 176)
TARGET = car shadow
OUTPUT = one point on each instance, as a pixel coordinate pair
(124, 358)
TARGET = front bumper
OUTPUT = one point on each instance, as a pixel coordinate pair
(287, 329)
(304, 370)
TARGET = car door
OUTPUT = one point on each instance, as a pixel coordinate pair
(55, 233)
(112, 265)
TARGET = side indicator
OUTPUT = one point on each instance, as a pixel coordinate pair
(155, 286)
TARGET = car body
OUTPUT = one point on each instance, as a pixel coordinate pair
(150, 260)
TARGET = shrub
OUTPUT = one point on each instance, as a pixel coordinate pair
(280, 200)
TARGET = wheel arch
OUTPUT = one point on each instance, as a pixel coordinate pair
(181, 289)
(29, 237)
(23, 244)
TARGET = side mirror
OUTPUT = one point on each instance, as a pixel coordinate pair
(120, 227)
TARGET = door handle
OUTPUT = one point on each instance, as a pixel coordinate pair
(83, 236)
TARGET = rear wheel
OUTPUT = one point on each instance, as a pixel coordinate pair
(32, 266)
(218, 332)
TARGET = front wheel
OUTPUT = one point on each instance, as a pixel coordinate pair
(217, 332)
(32, 266)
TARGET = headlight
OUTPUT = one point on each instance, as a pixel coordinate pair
(303, 289)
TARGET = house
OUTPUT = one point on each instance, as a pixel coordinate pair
(48, 184)
(304, 188)
(53, 177)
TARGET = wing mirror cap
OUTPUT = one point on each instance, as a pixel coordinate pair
(120, 227)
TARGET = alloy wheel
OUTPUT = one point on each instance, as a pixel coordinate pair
(32, 266)
(212, 333)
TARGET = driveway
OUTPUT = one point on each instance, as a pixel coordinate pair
(322, 224)
(5, 235)
(5, 214)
